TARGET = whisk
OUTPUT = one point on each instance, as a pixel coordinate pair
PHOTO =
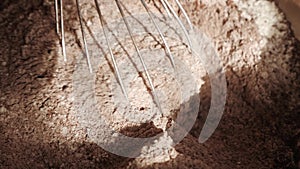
(167, 8)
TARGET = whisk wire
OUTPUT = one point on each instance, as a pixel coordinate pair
(140, 57)
(116, 69)
(160, 33)
(166, 8)
(180, 23)
(84, 38)
(184, 14)
(56, 17)
(170, 12)
(62, 31)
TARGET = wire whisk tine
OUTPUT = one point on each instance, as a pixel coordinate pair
(62, 29)
(84, 37)
(170, 12)
(166, 8)
(179, 22)
(56, 16)
(140, 57)
(116, 69)
(60, 23)
(184, 14)
(167, 48)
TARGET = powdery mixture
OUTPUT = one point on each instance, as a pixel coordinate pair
(39, 126)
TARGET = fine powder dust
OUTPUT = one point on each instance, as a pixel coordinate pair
(41, 122)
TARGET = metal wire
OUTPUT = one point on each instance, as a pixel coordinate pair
(179, 22)
(110, 50)
(170, 12)
(185, 14)
(84, 38)
(140, 57)
(62, 31)
(160, 33)
(56, 17)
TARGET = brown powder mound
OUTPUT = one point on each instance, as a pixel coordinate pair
(39, 127)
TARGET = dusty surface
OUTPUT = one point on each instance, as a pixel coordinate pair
(291, 9)
(39, 127)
